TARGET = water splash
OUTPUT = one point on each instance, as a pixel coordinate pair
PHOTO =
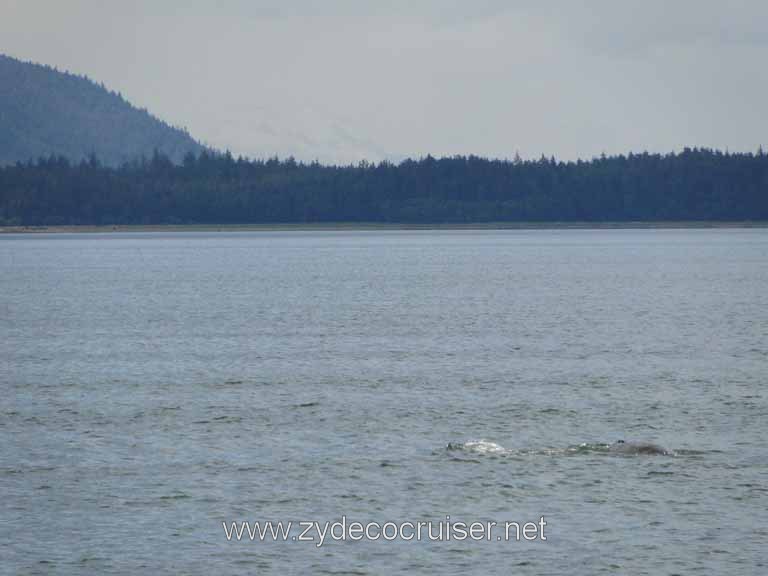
(477, 447)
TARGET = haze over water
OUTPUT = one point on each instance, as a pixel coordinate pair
(154, 385)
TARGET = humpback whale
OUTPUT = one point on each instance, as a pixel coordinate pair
(622, 447)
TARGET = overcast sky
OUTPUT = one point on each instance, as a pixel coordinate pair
(343, 80)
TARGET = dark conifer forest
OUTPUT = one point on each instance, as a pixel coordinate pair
(693, 185)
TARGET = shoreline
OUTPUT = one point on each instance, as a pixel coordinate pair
(373, 226)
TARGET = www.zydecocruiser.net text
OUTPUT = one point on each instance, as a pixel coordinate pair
(344, 530)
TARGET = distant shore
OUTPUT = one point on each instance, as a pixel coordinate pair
(360, 226)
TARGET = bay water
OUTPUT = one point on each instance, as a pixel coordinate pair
(157, 387)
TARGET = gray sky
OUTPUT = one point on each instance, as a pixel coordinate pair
(342, 80)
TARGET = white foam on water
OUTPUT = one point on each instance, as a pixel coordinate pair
(483, 447)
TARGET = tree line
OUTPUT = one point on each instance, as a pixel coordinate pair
(692, 185)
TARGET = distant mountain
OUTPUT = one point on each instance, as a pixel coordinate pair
(45, 112)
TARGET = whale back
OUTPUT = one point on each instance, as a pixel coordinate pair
(622, 447)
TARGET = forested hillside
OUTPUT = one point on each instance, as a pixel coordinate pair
(693, 185)
(44, 112)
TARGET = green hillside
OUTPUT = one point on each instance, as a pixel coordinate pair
(45, 112)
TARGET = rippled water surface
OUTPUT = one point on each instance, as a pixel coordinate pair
(153, 386)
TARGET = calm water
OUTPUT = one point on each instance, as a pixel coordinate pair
(155, 385)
